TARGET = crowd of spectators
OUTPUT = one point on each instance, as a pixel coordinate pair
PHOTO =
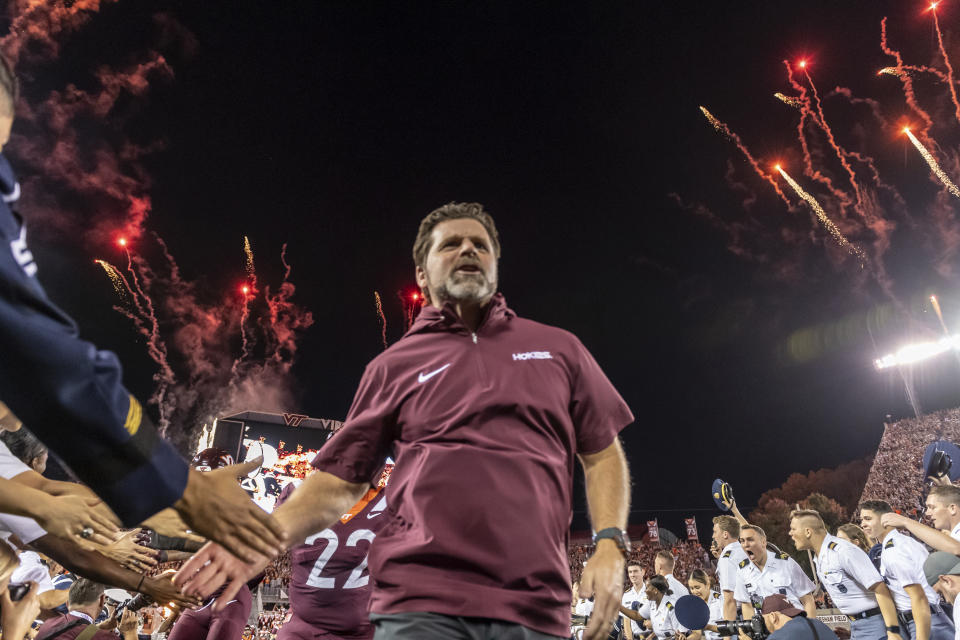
(268, 624)
(897, 475)
(688, 556)
(278, 571)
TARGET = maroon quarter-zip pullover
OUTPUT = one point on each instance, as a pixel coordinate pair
(484, 428)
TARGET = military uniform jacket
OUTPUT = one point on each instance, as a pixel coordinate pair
(901, 564)
(663, 617)
(69, 393)
(781, 574)
(847, 574)
(727, 565)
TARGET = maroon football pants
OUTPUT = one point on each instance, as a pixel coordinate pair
(207, 624)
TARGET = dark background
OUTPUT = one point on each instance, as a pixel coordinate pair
(335, 127)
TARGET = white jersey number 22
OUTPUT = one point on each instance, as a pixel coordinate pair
(356, 579)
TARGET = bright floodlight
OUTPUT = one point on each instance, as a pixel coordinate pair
(913, 353)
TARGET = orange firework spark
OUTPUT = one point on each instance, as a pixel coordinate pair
(822, 216)
(946, 61)
(381, 317)
(248, 252)
(733, 137)
(905, 80)
(119, 283)
(936, 308)
(934, 165)
(248, 290)
(909, 69)
(789, 100)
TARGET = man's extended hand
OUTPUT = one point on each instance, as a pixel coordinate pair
(129, 554)
(603, 580)
(214, 505)
(169, 523)
(165, 593)
(214, 566)
(67, 516)
(894, 520)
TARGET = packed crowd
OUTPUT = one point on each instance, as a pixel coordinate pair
(896, 474)
(278, 571)
(268, 624)
(688, 556)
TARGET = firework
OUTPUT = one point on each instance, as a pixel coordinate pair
(789, 100)
(905, 80)
(822, 216)
(910, 69)
(946, 61)
(841, 153)
(411, 303)
(116, 279)
(803, 103)
(733, 137)
(936, 307)
(934, 165)
(381, 317)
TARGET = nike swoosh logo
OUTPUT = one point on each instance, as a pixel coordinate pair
(423, 377)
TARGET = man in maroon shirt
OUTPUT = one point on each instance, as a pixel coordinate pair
(484, 413)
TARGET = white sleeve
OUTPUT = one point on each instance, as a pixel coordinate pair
(32, 569)
(799, 580)
(24, 528)
(10, 465)
(727, 574)
(903, 568)
(645, 610)
(859, 566)
(740, 590)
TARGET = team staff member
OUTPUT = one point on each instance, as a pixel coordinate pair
(901, 565)
(486, 413)
(663, 564)
(726, 536)
(72, 397)
(635, 597)
(764, 574)
(854, 584)
(943, 508)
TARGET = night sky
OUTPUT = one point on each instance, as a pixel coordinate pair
(734, 326)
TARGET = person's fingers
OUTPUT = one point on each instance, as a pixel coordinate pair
(99, 538)
(241, 469)
(207, 581)
(197, 580)
(187, 572)
(103, 524)
(259, 538)
(232, 589)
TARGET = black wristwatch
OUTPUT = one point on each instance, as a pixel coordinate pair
(617, 535)
(893, 628)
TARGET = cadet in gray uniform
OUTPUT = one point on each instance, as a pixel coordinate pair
(848, 575)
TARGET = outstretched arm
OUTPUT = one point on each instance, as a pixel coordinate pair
(607, 481)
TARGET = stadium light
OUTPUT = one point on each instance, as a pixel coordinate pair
(913, 353)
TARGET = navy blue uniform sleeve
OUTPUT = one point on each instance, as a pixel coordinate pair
(72, 397)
